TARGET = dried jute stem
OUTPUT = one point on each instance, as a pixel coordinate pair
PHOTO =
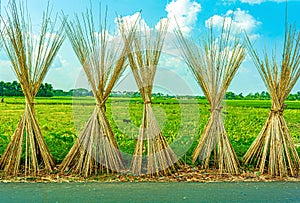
(103, 60)
(214, 62)
(143, 59)
(31, 58)
(273, 150)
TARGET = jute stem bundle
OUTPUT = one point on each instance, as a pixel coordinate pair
(30, 57)
(103, 61)
(214, 64)
(143, 59)
(273, 150)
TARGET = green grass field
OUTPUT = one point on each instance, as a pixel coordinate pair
(181, 121)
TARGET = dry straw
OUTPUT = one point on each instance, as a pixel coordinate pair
(273, 150)
(144, 57)
(31, 57)
(103, 59)
(214, 63)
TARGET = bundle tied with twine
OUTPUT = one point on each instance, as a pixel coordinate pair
(144, 57)
(214, 63)
(103, 60)
(31, 57)
(273, 150)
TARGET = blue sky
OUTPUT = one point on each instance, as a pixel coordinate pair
(262, 19)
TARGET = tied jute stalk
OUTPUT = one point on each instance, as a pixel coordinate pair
(31, 58)
(143, 59)
(103, 60)
(214, 63)
(273, 150)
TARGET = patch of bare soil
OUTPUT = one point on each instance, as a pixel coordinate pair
(185, 174)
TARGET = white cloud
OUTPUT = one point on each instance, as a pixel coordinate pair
(227, 2)
(181, 12)
(185, 12)
(131, 20)
(251, 2)
(260, 1)
(240, 20)
(105, 33)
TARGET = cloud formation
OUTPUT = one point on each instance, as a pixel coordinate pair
(240, 20)
(181, 12)
(130, 20)
(184, 12)
(260, 1)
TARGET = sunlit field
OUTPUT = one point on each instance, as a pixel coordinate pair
(181, 120)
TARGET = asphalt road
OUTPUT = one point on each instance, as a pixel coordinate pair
(150, 192)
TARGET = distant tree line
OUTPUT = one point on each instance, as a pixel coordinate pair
(14, 89)
(258, 96)
(46, 90)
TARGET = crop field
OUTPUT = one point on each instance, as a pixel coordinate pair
(181, 120)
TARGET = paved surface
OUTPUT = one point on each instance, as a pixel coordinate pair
(150, 192)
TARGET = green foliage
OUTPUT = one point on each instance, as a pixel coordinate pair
(10, 89)
(14, 89)
(258, 96)
(46, 90)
